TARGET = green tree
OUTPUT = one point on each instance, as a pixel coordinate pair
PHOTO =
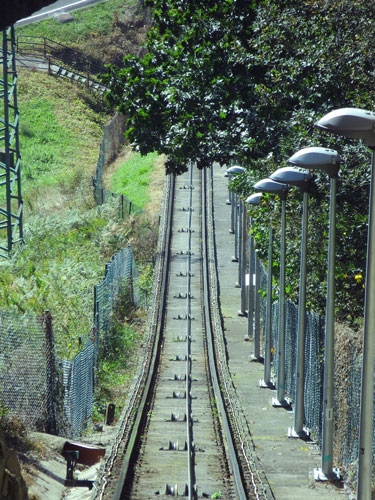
(233, 80)
(190, 96)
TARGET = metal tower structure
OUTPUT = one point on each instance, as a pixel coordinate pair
(11, 203)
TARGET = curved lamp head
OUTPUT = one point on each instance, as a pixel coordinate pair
(292, 176)
(317, 158)
(273, 187)
(235, 170)
(254, 199)
(350, 122)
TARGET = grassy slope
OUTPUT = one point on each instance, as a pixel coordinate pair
(60, 139)
(87, 23)
(133, 177)
(106, 31)
(60, 135)
(68, 239)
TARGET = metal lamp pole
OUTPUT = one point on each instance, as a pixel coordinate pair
(367, 382)
(360, 124)
(293, 177)
(280, 400)
(327, 160)
(242, 264)
(231, 202)
(299, 408)
(267, 382)
(270, 186)
(235, 211)
(253, 298)
(233, 172)
(241, 216)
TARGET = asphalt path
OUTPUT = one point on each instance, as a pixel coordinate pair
(56, 8)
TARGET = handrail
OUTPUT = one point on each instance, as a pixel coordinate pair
(29, 45)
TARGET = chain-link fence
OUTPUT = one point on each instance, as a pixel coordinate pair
(52, 395)
(347, 380)
(27, 370)
(118, 288)
(113, 139)
(78, 389)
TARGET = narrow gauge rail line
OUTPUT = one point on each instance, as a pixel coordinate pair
(178, 446)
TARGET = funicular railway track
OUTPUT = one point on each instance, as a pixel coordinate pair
(182, 436)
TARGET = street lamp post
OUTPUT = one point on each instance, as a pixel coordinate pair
(293, 177)
(360, 124)
(270, 186)
(253, 298)
(242, 258)
(233, 172)
(327, 160)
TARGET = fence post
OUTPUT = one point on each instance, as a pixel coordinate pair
(49, 65)
(130, 207)
(44, 47)
(96, 327)
(51, 367)
(122, 206)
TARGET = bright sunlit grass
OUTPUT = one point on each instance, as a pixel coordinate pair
(133, 177)
(95, 19)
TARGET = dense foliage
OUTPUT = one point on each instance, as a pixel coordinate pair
(316, 57)
(246, 81)
(185, 98)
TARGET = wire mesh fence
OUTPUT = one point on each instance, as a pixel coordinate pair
(113, 138)
(78, 389)
(27, 370)
(119, 287)
(120, 282)
(52, 395)
(347, 381)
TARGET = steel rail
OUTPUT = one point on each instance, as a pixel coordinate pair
(189, 423)
(259, 486)
(218, 385)
(210, 345)
(136, 428)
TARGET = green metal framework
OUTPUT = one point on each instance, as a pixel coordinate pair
(11, 204)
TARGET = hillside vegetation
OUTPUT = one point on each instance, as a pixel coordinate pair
(106, 31)
(68, 239)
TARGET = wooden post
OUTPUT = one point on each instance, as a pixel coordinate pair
(51, 371)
